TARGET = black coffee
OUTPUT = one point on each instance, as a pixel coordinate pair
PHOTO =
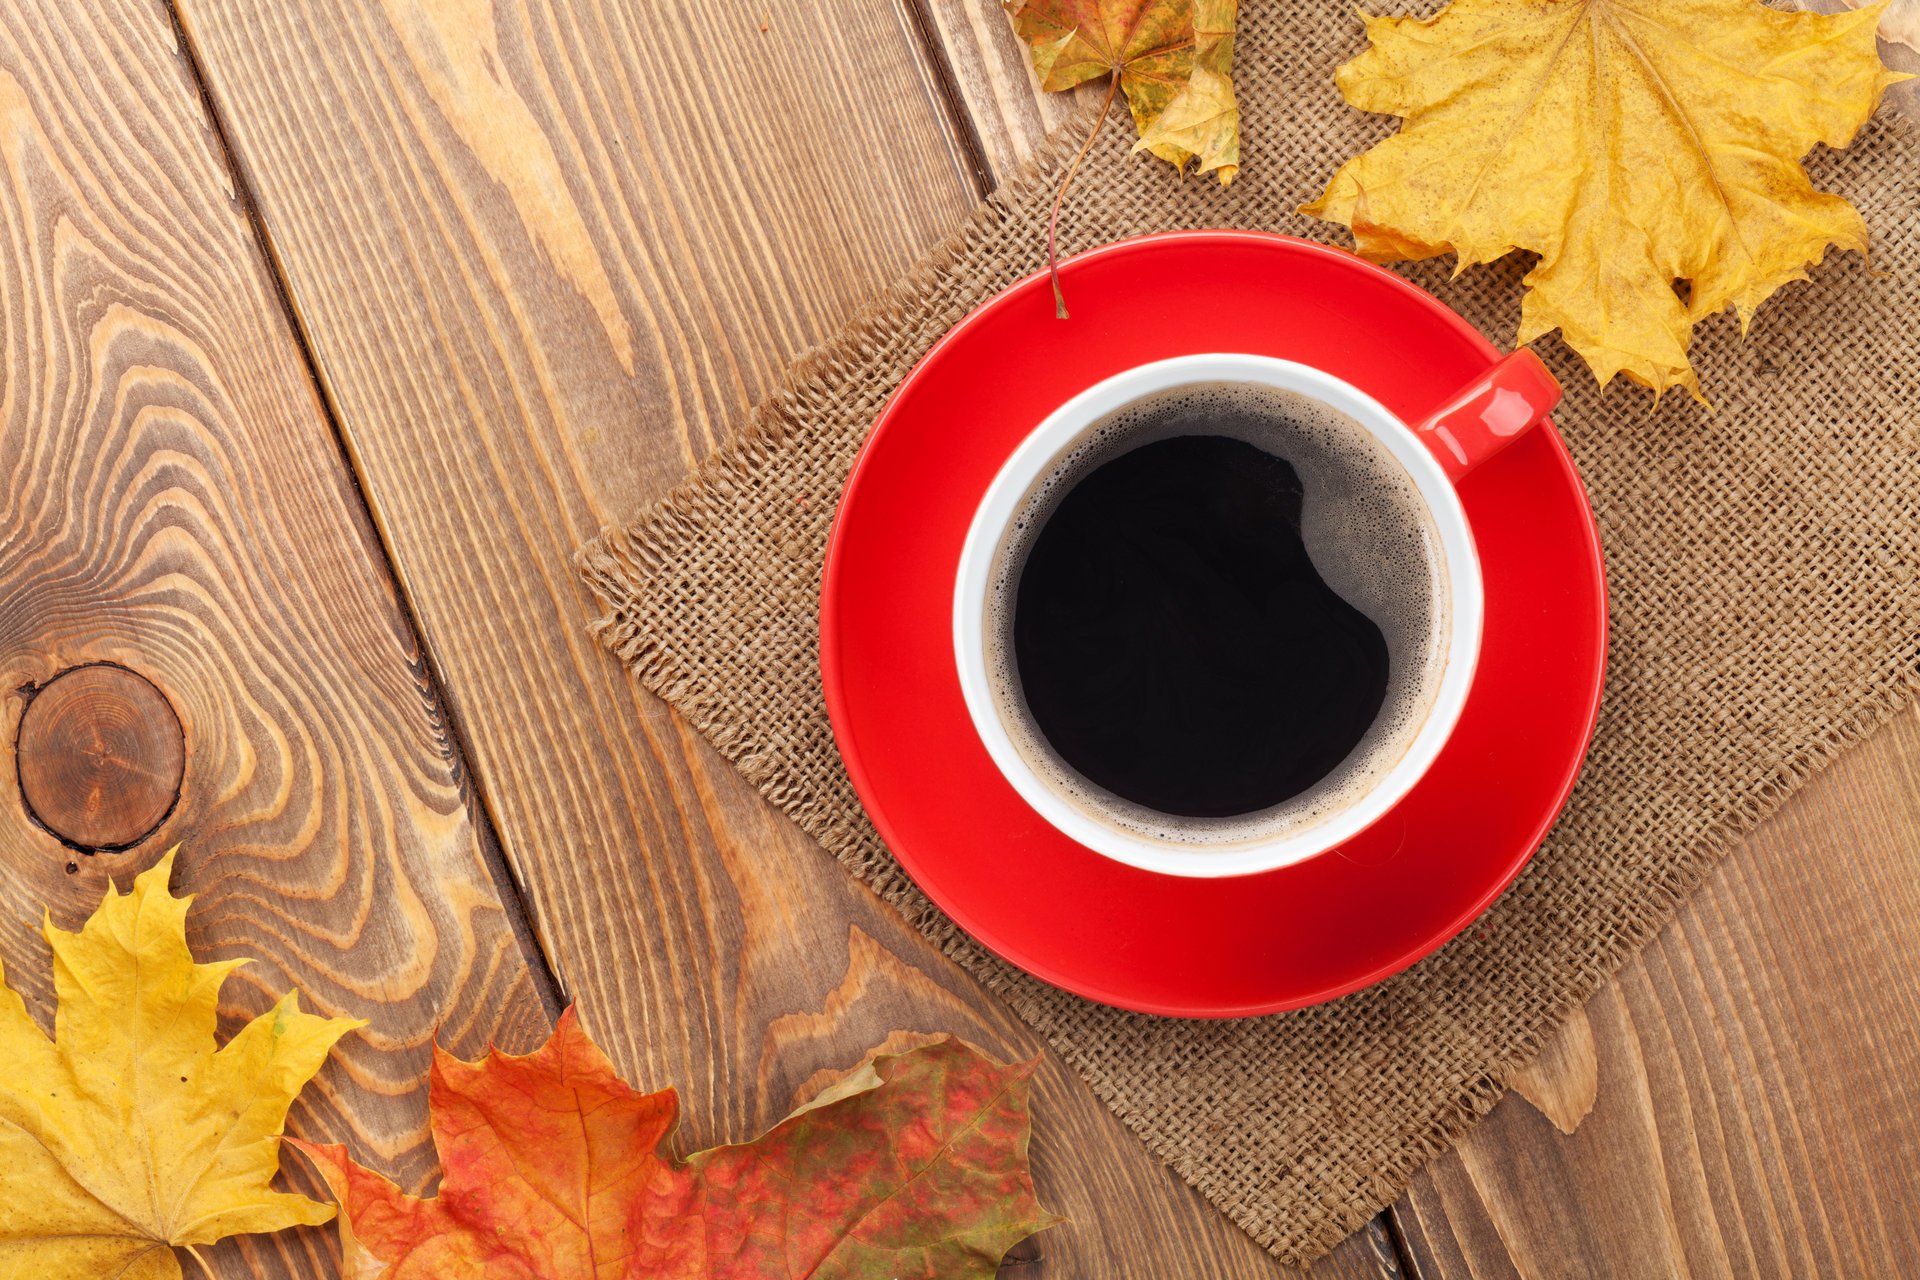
(1219, 611)
(1175, 642)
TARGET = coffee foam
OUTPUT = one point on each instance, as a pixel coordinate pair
(1367, 530)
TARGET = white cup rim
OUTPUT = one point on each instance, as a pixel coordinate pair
(1007, 493)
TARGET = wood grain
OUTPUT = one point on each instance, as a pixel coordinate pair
(1755, 1108)
(544, 257)
(994, 84)
(176, 503)
(1563, 1081)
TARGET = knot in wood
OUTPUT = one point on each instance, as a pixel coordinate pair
(101, 757)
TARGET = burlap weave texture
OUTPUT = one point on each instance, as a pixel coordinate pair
(1763, 563)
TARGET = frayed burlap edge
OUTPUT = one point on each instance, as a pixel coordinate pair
(657, 672)
(623, 556)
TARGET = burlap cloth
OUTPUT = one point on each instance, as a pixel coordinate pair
(1762, 561)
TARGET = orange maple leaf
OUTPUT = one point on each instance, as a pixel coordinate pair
(912, 1165)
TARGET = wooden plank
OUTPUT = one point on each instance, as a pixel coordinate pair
(176, 503)
(994, 82)
(1756, 1064)
(1563, 1080)
(544, 258)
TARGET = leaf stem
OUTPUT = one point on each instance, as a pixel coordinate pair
(1053, 215)
(195, 1255)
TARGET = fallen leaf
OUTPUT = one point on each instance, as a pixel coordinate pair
(1630, 143)
(913, 1165)
(1202, 121)
(129, 1132)
(1151, 48)
(1173, 59)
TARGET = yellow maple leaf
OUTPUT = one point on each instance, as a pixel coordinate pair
(1202, 121)
(1630, 143)
(128, 1132)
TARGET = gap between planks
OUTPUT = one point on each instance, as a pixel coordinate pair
(1382, 1234)
(513, 896)
(947, 95)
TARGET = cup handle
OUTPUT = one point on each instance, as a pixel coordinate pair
(1489, 413)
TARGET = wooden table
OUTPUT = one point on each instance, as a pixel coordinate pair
(327, 330)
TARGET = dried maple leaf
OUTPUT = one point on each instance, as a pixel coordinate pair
(1899, 21)
(914, 1165)
(1630, 143)
(1172, 58)
(128, 1131)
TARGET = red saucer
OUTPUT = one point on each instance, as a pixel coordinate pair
(1165, 944)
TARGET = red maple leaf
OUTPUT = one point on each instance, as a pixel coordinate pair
(912, 1166)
